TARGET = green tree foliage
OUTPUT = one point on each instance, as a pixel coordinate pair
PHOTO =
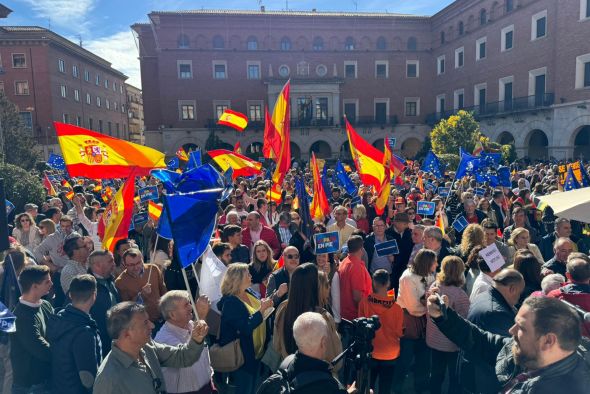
(21, 187)
(450, 160)
(460, 130)
(213, 141)
(16, 142)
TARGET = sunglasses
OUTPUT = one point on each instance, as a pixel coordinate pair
(292, 256)
(24, 220)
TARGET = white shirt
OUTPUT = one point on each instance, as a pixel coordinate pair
(335, 295)
(184, 380)
(411, 291)
(482, 283)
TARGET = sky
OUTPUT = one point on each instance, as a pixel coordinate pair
(103, 25)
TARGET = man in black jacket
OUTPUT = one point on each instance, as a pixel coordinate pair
(540, 357)
(75, 342)
(400, 231)
(102, 266)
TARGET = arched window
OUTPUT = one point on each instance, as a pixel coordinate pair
(183, 41)
(483, 17)
(381, 43)
(218, 42)
(318, 44)
(349, 44)
(412, 44)
(252, 43)
(285, 44)
(461, 28)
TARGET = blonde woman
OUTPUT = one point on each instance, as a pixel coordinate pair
(472, 236)
(46, 228)
(241, 318)
(26, 232)
(520, 239)
(261, 266)
(359, 214)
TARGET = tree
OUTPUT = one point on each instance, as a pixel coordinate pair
(17, 145)
(21, 187)
(213, 141)
(458, 131)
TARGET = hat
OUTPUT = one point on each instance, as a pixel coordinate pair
(401, 217)
(400, 200)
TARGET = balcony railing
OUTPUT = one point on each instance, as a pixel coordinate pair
(371, 120)
(295, 122)
(518, 104)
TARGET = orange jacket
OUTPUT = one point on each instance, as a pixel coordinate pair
(391, 315)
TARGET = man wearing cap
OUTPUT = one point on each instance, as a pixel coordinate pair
(400, 231)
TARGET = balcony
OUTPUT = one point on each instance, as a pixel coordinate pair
(259, 124)
(498, 108)
(371, 121)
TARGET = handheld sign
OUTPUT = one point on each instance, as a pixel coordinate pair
(391, 142)
(9, 207)
(148, 193)
(480, 191)
(326, 242)
(140, 218)
(430, 186)
(492, 257)
(443, 191)
(387, 248)
(425, 208)
(460, 223)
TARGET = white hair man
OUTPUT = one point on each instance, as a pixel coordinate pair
(177, 311)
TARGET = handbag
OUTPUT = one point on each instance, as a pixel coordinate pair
(414, 327)
(226, 358)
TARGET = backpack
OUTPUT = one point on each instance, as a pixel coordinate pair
(281, 383)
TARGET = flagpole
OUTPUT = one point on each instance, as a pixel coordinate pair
(155, 246)
(188, 289)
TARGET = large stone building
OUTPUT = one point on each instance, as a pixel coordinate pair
(523, 67)
(135, 110)
(50, 79)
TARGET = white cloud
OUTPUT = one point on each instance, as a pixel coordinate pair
(121, 51)
(63, 13)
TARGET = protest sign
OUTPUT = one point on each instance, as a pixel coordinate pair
(387, 248)
(425, 208)
(492, 257)
(326, 242)
(148, 193)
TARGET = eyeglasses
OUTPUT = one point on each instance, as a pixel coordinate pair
(292, 256)
(24, 220)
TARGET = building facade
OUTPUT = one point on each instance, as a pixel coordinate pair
(135, 108)
(50, 79)
(522, 66)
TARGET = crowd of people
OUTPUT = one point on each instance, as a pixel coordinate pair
(92, 320)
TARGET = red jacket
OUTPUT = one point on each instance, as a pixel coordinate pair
(267, 235)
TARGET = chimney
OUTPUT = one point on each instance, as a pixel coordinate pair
(262, 8)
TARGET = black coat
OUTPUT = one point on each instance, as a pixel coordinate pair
(498, 213)
(75, 347)
(571, 374)
(105, 299)
(405, 246)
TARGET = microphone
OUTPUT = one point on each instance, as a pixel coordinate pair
(583, 314)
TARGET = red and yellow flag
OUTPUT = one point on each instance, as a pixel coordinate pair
(281, 121)
(95, 155)
(440, 223)
(49, 186)
(237, 148)
(154, 210)
(319, 206)
(241, 165)
(385, 189)
(115, 220)
(272, 141)
(420, 184)
(478, 148)
(367, 159)
(181, 154)
(233, 119)
(275, 194)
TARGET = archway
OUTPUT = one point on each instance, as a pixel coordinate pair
(190, 147)
(538, 145)
(410, 148)
(378, 144)
(505, 138)
(321, 149)
(295, 151)
(225, 145)
(582, 143)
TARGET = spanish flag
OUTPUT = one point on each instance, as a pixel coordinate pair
(275, 194)
(440, 223)
(478, 148)
(367, 159)
(319, 206)
(49, 186)
(95, 155)
(237, 148)
(115, 220)
(154, 210)
(272, 140)
(420, 184)
(233, 119)
(241, 165)
(281, 121)
(65, 183)
(385, 189)
(181, 154)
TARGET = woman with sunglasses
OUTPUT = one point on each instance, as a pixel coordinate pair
(26, 232)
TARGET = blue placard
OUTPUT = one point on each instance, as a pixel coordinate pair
(326, 242)
(387, 248)
(443, 191)
(9, 207)
(425, 208)
(391, 142)
(148, 193)
(460, 223)
(140, 218)
(430, 186)
(480, 191)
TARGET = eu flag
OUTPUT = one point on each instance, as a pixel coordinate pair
(164, 230)
(303, 197)
(7, 319)
(571, 183)
(504, 176)
(326, 182)
(173, 164)
(467, 166)
(344, 180)
(192, 220)
(585, 176)
(167, 177)
(432, 165)
(201, 178)
(56, 162)
(194, 160)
